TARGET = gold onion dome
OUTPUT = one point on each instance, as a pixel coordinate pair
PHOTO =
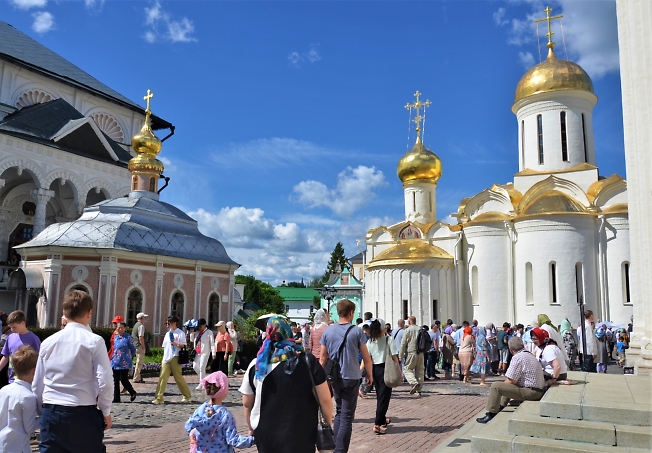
(419, 165)
(553, 75)
(146, 145)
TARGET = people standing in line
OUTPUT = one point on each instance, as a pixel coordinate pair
(458, 335)
(377, 345)
(448, 348)
(588, 361)
(72, 383)
(204, 348)
(223, 348)
(20, 336)
(212, 427)
(569, 342)
(18, 405)
(6, 331)
(346, 385)
(433, 354)
(235, 336)
(124, 350)
(466, 353)
(138, 334)
(414, 366)
(173, 341)
(449, 327)
(480, 363)
(621, 346)
(603, 353)
(305, 336)
(397, 336)
(296, 333)
(544, 322)
(502, 337)
(474, 326)
(492, 351)
(320, 324)
(280, 405)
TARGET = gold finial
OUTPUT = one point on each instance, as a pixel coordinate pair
(549, 19)
(418, 119)
(149, 96)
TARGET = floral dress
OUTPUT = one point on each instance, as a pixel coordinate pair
(480, 362)
(215, 430)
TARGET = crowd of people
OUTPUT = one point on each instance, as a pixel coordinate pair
(64, 383)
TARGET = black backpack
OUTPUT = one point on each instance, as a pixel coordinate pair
(423, 341)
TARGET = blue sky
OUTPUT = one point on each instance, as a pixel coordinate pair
(289, 115)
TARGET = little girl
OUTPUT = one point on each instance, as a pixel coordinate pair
(212, 427)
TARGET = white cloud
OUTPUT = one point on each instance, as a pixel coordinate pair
(526, 59)
(296, 58)
(94, 5)
(28, 4)
(499, 17)
(164, 27)
(43, 22)
(355, 188)
(169, 166)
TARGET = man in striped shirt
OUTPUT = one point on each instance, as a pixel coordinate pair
(524, 381)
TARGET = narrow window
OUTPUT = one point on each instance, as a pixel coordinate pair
(474, 285)
(564, 142)
(553, 283)
(405, 309)
(540, 135)
(523, 142)
(213, 309)
(579, 282)
(134, 306)
(529, 292)
(177, 306)
(414, 201)
(586, 154)
(435, 309)
(430, 200)
(152, 184)
(134, 182)
(626, 282)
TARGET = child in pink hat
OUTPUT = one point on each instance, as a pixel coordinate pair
(212, 427)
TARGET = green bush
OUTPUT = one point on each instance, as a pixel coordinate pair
(104, 332)
(249, 349)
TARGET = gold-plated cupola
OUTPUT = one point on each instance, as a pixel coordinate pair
(145, 168)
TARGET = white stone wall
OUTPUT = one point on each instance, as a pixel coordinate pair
(420, 202)
(617, 250)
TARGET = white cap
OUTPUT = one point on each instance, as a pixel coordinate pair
(141, 315)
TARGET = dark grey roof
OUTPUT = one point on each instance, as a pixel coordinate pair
(135, 224)
(20, 49)
(40, 123)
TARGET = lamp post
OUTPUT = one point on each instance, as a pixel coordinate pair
(328, 293)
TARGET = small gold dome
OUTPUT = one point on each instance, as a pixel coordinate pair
(145, 142)
(419, 164)
(553, 75)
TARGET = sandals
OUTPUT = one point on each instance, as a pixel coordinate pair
(379, 430)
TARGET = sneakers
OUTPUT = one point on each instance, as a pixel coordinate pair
(157, 402)
(414, 388)
(185, 400)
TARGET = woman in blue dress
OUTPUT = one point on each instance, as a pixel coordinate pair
(480, 363)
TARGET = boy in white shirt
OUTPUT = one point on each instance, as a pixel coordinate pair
(18, 405)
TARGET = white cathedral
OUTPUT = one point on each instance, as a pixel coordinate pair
(557, 234)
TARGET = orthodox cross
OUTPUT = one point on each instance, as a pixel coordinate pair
(149, 96)
(549, 19)
(418, 105)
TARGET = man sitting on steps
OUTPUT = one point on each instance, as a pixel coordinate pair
(524, 381)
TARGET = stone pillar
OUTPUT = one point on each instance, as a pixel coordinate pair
(634, 37)
(41, 196)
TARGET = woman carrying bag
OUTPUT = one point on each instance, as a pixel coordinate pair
(204, 348)
(378, 344)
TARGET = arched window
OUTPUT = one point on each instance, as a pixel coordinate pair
(474, 286)
(152, 184)
(414, 201)
(579, 282)
(540, 137)
(627, 296)
(134, 182)
(586, 153)
(176, 307)
(213, 309)
(553, 283)
(79, 288)
(523, 142)
(564, 142)
(134, 306)
(529, 291)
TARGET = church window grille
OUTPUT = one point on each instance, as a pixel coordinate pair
(626, 288)
(405, 309)
(529, 292)
(213, 310)
(523, 142)
(564, 141)
(553, 283)
(474, 286)
(579, 282)
(586, 153)
(177, 306)
(540, 137)
(134, 306)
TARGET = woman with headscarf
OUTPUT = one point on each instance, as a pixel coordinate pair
(466, 353)
(280, 406)
(320, 323)
(492, 347)
(480, 364)
(549, 355)
(448, 347)
(570, 342)
(603, 353)
(544, 322)
(235, 336)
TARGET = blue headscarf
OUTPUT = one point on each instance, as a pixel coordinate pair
(481, 340)
(279, 346)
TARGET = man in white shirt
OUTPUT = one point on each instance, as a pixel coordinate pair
(591, 344)
(74, 383)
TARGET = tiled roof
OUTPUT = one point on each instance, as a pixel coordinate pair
(297, 294)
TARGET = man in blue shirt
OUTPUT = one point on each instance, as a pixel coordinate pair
(503, 349)
(433, 354)
(397, 335)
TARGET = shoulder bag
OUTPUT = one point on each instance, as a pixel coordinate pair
(325, 437)
(184, 357)
(332, 367)
(392, 376)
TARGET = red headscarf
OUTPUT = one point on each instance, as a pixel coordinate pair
(541, 335)
(467, 331)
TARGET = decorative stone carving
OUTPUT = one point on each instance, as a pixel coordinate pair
(79, 273)
(136, 277)
(178, 280)
(109, 125)
(31, 97)
(215, 283)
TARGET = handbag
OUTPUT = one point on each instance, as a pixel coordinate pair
(332, 367)
(325, 437)
(183, 356)
(392, 376)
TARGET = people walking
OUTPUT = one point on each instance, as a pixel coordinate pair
(466, 353)
(320, 324)
(204, 348)
(448, 348)
(235, 336)
(124, 350)
(138, 334)
(173, 341)
(223, 348)
(413, 359)
(20, 336)
(481, 364)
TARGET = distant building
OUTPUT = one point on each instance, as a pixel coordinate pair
(343, 285)
(300, 303)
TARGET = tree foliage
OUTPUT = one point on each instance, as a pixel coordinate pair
(337, 256)
(262, 294)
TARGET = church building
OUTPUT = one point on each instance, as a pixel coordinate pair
(556, 235)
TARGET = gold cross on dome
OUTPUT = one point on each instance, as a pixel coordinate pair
(549, 19)
(418, 119)
(149, 96)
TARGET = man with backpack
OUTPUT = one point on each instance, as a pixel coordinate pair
(414, 366)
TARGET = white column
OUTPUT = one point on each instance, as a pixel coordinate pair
(41, 196)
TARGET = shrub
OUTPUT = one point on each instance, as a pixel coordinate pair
(104, 332)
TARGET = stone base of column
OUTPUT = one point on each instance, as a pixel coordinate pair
(643, 364)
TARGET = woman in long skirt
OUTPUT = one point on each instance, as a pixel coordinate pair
(480, 363)
(466, 353)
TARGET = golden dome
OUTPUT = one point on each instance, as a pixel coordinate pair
(408, 252)
(553, 202)
(146, 145)
(553, 75)
(145, 142)
(419, 164)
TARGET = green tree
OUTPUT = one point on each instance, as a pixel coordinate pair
(261, 294)
(337, 256)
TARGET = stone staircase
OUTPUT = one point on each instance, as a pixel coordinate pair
(604, 413)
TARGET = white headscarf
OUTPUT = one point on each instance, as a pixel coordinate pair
(320, 318)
